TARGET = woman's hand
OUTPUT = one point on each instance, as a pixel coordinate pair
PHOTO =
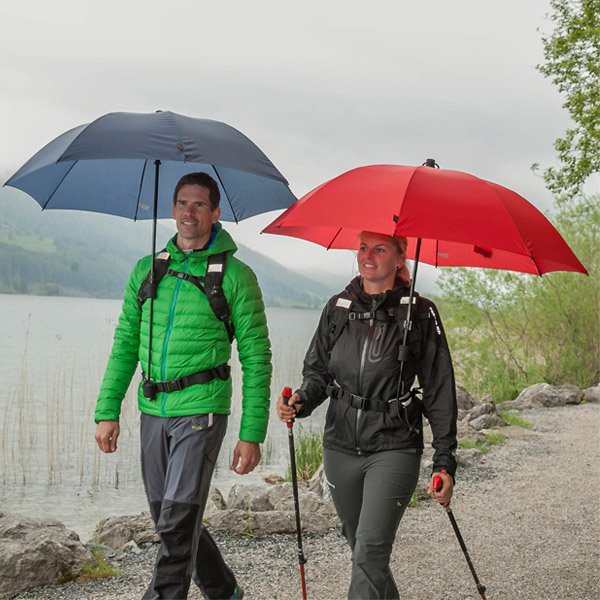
(443, 495)
(287, 412)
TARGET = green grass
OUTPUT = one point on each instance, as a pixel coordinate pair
(309, 454)
(98, 569)
(494, 438)
(512, 417)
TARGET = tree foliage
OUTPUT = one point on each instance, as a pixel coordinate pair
(509, 330)
(572, 61)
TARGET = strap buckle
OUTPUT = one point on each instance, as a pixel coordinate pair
(173, 385)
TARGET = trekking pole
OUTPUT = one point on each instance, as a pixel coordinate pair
(437, 486)
(286, 394)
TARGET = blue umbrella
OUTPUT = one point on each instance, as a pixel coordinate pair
(128, 164)
(125, 163)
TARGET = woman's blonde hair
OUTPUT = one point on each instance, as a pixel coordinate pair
(401, 245)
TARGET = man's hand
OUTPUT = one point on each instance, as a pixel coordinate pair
(245, 457)
(106, 436)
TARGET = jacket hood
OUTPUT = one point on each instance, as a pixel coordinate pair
(221, 241)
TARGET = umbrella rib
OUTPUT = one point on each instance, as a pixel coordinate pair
(139, 197)
(536, 265)
(334, 237)
(226, 194)
(58, 185)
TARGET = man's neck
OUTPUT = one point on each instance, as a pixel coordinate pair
(192, 245)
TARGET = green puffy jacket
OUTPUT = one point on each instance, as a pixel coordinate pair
(187, 338)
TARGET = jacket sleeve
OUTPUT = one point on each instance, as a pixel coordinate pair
(254, 351)
(436, 377)
(123, 358)
(315, 372)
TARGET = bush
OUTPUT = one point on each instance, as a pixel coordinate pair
(510, 330)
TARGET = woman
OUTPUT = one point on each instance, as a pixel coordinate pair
(373, 440)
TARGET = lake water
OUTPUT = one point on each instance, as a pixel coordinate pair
(52, 359)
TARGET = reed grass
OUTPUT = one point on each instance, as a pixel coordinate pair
(309, 454)
(48, 429)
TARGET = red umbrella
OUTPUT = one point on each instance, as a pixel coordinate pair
(460, 219)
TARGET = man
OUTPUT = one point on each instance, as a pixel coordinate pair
(186, 396)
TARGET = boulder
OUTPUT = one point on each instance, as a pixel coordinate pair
(245, 522)
(464, 400)
(116, 532)
(278, 497)
(544, 395)
(485, 408)
(466, 457)
(487, 421)
(215, 500)
(36, 552)
(571, 394)
(249, 497)
(465, 431)
(273, 478)
(592, 394)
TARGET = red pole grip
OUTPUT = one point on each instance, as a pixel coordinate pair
(437, 483)
(286, 394)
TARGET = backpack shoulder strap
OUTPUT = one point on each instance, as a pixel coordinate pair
(147, 289)
(213, 288)
(340, 316)
(415, 336)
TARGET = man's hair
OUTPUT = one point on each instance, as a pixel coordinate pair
(204, 180)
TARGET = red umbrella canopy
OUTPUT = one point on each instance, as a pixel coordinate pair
(462, 220)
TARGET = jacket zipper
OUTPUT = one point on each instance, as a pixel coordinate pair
(163, 368)
(363, 360)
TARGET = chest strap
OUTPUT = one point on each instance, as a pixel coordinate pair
(151, 388)
(362, 403)
(378, 315)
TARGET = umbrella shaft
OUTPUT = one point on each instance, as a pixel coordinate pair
(154, 219)
(411, 295)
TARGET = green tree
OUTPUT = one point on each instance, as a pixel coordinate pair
(572, 61)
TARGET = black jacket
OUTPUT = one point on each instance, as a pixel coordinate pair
(364, 361)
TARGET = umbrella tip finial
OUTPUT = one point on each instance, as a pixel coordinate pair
(430, 162)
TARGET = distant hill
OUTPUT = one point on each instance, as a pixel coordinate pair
(76, 253)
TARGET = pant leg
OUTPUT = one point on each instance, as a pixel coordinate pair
(345, 478)
(193, 447)
(388, 482)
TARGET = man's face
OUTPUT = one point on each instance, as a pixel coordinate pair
(194, 217)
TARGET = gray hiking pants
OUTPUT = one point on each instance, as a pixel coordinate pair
(370, 494)
(178, 459)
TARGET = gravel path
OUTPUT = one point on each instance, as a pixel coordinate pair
(529, 513)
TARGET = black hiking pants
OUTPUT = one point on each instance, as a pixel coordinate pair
(178, 459)
(371, 493)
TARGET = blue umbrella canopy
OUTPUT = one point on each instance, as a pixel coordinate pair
(109, 166)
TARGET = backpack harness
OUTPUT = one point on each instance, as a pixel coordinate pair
(211, 286)
(342, 314)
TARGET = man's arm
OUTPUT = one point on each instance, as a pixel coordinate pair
(254, 350)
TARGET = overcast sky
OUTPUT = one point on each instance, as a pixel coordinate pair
(322, 87)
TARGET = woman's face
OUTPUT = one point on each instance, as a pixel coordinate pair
(378, 260)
